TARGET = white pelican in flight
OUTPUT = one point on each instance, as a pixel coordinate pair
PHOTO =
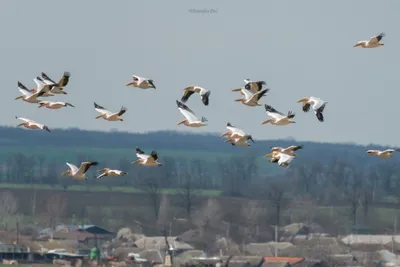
(373, 42)
(240, 141)
(108, 115)
(146, 160)
(57, 88)
(281, 158)
(251, 99)
(30, 124)
(79, 174)
(233, 132)
(41, 86)
(142, 83)
(252, 86)
(289, 150)
(109, 172)
(278, 118)
(191, 119)
(318, 105)
(382, 154)
(204, 94)
(54, 105)
(27, 95)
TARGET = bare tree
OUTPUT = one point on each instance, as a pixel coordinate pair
(8, 204)
(56, 208)
(210, 214)
(188, 195)
(163, 212)
(275, 195)
(151, 186)
(251, 212)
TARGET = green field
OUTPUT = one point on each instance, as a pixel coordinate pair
(97, 188)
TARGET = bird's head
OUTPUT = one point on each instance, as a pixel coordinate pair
(303, 100)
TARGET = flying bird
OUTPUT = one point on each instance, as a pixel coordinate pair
(110, 172)
(146, 160)
(204, 94)
(41, 86)
(233, 132)
(251, 99)
(252, 86)
(57, 88)
(382, 154)
(278, 118)
(191, 119)
(240, 141)
(54, 105)
(142, 83)
(31, 124)
(289, 150)
(79, 174)
(373, 42)
(318, 105)
(281, 158)
(108, 115)
(27, 95)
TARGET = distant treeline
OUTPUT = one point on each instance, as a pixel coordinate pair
(321, 170)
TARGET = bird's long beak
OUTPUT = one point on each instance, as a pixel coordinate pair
(65, 173)
(237, 90)
(265, 122)
(180, 122)
(357, 44)
(239, 100)
(98, 117)
(102, 170)
(225, 134)
(65, 93)
(302, 100)
(129, 84)
(268, 155)
(19, 97)
(19, 125)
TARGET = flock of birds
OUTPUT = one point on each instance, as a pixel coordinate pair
(251, 93)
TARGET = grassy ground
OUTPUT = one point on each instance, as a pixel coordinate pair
(98, 188)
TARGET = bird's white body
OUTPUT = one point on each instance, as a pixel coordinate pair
(56, 88)
(373, 42)
(281, 158)
(79, 174)
(108, 115)
(27, 96)
(278, 119)
(288, 150)
(254, 86)
(141, 82)
(41, 86)
(251, 99)
(382, 154)
(204, 94)
(239, 141)
(110, 172)
(191, 119)
(234, 132)
(53, 105)
(31, 124)
(146, 160)
(317, 104)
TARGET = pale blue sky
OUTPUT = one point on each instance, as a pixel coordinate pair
(300, 48)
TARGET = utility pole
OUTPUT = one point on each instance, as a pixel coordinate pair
(170, 227)
(17, 232)
(276, 241)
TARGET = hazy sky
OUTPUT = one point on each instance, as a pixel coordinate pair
(300, 48)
